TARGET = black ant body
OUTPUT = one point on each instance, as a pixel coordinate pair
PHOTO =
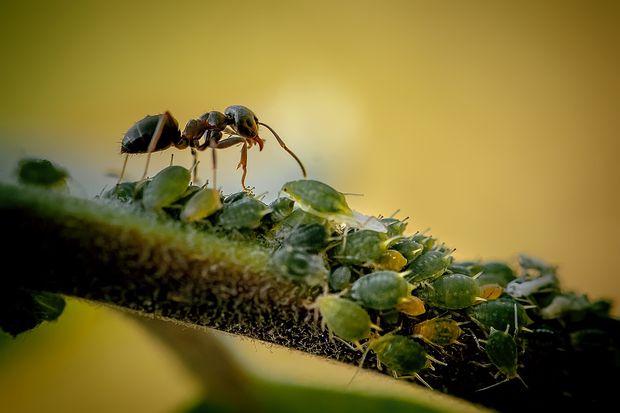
(159, 132)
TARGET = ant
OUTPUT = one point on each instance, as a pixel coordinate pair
(159, 132)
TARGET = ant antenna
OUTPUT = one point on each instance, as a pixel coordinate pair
(283, 145)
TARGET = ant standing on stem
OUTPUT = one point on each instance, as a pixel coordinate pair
(159, 132)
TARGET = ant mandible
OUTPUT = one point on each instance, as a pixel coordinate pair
(159, 132)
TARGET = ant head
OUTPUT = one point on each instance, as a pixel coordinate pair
(243, 119)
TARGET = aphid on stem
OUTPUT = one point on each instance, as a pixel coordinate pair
(501, 349)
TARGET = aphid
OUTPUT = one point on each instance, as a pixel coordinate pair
(324, 201)
(166, 187)
(202, 204)
(402, 355)
(530, 263)
(409, 248)
(426, 241)
(41, 172)
(395, 227)
(340, 278)
(362, 248)
(494, 273)
(344, 318)
(380, 290)
(281, 208)
(391, 260)
(439, 331)
(411, 305)
(453, 292)
(565, 305)
(124, 192)
(244, 213)
(501, 349)
(428, 266)
(499, 314)
(294, 220)
(310, 237)
(490, 291)
(591, 340)
(519, 288)
(159, 132)
(297, 264)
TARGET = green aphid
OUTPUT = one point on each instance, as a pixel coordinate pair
(452, 292)
(501, 349)
(340, 278)
(362, 247)
(41, 172)
(426, 241)
(439, 331)
(237, 196)
(202, 204)
(317, 198)
(591, 340)
(344, 318)
(324, 201)
(428, 266)
(296, 219)
(310, 237)
(124, 192)
(245, 213)
(500, 315)
(402, 355)
(461, 268)
(391, 260)
(380, 290)
(409, 248)
(494, 273)
(166, 187)
(297, 264)
(281, 208)
(395, 227)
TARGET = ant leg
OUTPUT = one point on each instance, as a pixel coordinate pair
(120, 178)
(283, 145)
(194, 167)
(214, 158)
(243, 162)
(158, 131)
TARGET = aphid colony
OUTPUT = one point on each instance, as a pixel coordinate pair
(402, 298)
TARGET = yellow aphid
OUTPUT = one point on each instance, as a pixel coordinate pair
(438, 331)
(391, 260)
(491, 291)
(412, 306)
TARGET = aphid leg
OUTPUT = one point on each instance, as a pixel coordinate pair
(358, 347)
(521, 380)
(120, 178)
(493, 385)
(434, 360)
(415, 376)
(283, 145)
(360, 365)
(153, 144)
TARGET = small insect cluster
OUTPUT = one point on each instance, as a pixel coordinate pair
(402, 298)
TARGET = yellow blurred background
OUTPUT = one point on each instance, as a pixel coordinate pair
(494, 124)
